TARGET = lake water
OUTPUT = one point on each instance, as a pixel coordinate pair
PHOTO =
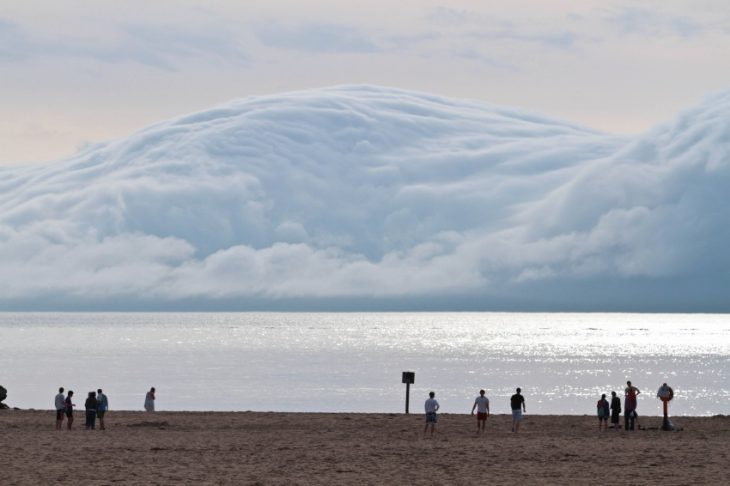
(352, 362)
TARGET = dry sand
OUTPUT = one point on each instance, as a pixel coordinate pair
(305, 448)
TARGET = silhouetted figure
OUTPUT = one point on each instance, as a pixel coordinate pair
(90, 406)
(149, 400)
(630, 400)
(615, 410)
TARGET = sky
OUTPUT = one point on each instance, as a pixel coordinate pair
(74, 73)
(414, 155)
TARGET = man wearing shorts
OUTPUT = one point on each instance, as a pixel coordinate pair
(482, 405)
(102, 405)
(431, 407)
(517, 402)
(60, 408)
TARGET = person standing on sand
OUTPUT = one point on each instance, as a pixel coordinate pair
(69, 409)
(60, 408)
(90, 405)
(603, 412)
(149, 400)
(431, 406)
(615, 410)
(102, 405)
(481, 403)
(517, 402)
(630, 393)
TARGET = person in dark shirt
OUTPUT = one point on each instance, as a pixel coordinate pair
(69, 409)
(615, 410)
(603, 412)
(517, 402)
(91, 405)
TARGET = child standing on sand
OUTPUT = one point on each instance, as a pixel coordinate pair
(603, 412)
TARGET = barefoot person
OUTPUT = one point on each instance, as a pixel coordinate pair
(481, 403)
(90, 406)
(69, 409)
(630, 398)
(615, 410)
(431, 406)
(149, 400)
(603, 411)
(517, 402)
(60, 408)
(102, 405)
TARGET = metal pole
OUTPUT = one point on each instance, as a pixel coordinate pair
(408, 395)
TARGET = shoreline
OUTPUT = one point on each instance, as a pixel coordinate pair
(357, 448)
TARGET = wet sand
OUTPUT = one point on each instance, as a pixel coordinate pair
(306, 448)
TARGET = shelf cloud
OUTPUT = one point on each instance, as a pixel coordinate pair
(371, 194)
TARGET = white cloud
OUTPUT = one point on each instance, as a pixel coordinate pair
(370, 193)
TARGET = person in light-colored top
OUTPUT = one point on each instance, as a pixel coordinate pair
(60, 408)
(431, 406)
(481, 404)
(149, 400)
(102, 406)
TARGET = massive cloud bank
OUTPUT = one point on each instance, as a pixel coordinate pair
(363, 193)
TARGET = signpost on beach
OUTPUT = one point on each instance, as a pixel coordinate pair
(408, 378)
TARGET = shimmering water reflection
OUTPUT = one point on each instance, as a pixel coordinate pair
(353, 361)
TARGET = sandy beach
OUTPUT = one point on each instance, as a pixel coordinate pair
(306, 448)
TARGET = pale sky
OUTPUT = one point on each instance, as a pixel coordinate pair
(77, 72)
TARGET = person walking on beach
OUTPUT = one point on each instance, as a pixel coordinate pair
(481, 403)
(102, 405)
(603, 412)
(90, 405)
(431, 406)
(60, 408)
(615, 410)
(517, 402)
(69, 409)
(630, 398)
(149, 400)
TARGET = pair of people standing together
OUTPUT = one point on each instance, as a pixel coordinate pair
(481, 405)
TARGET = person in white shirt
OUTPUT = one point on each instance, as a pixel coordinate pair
(431, 407)
(60, 408)
(481, 404)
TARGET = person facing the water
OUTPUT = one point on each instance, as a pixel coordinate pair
(603, 411)
(615, 410)
(149, 400)
(102, 405)
(431, 407)
(69, 409)
(60, 408)
(630, 398)
(481, 404)
(90, 405)
(517, 402)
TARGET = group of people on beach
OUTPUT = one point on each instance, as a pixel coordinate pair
(96, 406)
(481, 405)
(517, 405)
(631, 417)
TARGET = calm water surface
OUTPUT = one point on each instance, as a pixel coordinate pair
(352, 362)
